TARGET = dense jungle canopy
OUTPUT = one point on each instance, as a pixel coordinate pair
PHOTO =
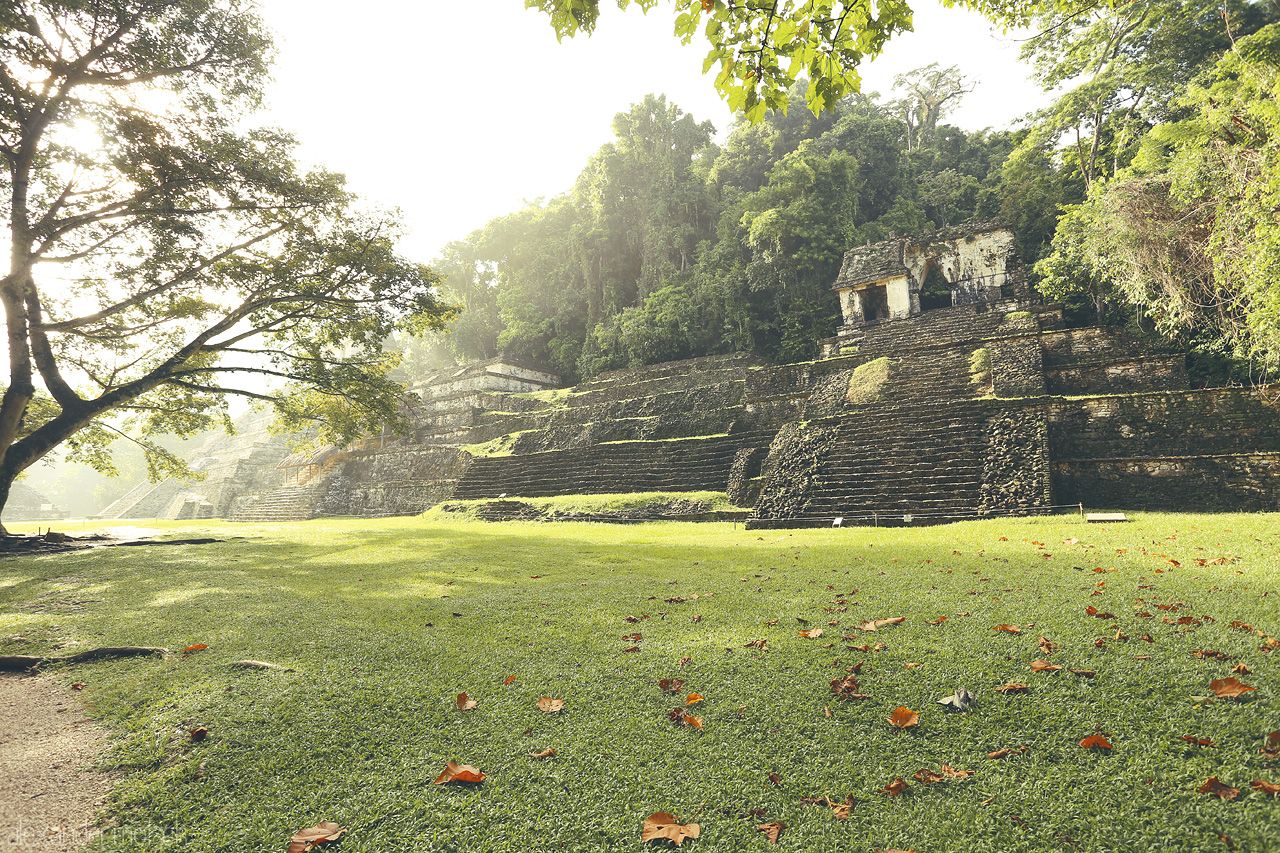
(1145, 194)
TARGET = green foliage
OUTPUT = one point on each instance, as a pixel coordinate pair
(762, 47)
(670, 247)
(1187, 234)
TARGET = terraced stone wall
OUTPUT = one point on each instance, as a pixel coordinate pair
(1198, 449)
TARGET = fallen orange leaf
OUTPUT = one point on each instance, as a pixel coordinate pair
(1012, 629)
(693, 699)
(454, 772)
(1044, 666)
(1014, 687)
(305, 839)
(546, 753)
(937, 621)
(198, 647)
(894, 788)
(1214, 788)
(550, 705)
(696, 722)
(927, 777)
(772, 831)
(1229, 688)
(660, 825)
(465, 703)
(1271, 749)
(508, 680)
(903, 717)
(1095, 742)
(1198, 741)
(1265, 787)
(755, 644)
(948, 770)
(812, 633)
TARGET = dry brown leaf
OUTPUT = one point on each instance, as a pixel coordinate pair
(812, 633)
(1084, 673)
(894, 788)
(755, 644)
(1229, 688)
(771, 624)
(1005, 753)
(840, 811)
(546, 753)
(1047, 646)
(1095, 742)
(198, 734)
(1011, 629)
(454, 772)
(631, 649)
(927, 777)
(827, 711)
(697, 618)
(305, 839)
(551, 706)
(508, 680)
(874, 624)
(775, 780)
(1265, 787)
(671, 685)
(664, 825)
(1214, 788)
(772, 831)
(912, 665)
(1198, 741)
(1271, 749)
(1044, 666)
(1014, 687)
(1241, 669)
(683, 661)
(903, 717)
(465, 703)
(948, 770)
(79, 685)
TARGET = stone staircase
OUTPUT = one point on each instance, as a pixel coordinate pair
(918, 451)
(681, 465)
(287, 503)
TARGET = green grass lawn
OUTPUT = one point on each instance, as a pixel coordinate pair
(384, 622)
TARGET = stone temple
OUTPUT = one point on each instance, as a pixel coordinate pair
(948, 392)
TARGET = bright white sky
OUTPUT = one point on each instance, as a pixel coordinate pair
(456, 112)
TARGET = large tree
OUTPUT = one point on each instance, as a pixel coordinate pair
(160, 255)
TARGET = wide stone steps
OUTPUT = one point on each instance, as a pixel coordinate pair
(656, 466)
(288, 503)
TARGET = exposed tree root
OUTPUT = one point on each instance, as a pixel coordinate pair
(24, 662)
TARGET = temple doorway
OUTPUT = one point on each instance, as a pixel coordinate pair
(875, 303)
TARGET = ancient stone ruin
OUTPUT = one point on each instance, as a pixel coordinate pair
(985, 405)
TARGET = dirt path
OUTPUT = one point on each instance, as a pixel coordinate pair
(49, 796)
